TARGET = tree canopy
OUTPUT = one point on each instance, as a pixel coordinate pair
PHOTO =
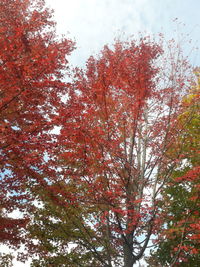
(94, 164)
(179, 244)
(32, 64)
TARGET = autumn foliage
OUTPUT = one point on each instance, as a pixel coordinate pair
(179, 239)
(32, 62)
(98, 180)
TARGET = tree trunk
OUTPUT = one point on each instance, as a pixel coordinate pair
(128, 255)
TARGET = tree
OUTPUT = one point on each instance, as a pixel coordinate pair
(116, 126)
(32, 65)
(179, 240)
(58, 228)
(6, 260)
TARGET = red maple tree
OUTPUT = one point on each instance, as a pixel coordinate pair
(32, 64)
(117, 124)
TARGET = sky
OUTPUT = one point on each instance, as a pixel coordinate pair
(95, 23)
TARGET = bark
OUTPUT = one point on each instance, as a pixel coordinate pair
(128, 253)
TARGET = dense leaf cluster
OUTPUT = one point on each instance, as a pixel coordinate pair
(99, 166)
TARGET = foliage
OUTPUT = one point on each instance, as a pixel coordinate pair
(61, 230)
(98, 180)
(179, 242)
(6, 260)
(32, 64)
(116, 126)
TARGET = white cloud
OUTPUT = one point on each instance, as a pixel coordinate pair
(94, 23)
